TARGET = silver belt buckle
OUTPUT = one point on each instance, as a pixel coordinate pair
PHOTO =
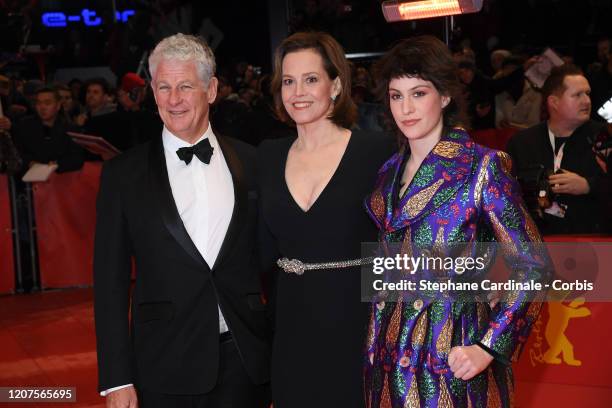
(291, 265)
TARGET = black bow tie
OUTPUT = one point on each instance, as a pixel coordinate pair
(202, 150)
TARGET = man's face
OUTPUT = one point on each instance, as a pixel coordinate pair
(466, 75)
(225, 90)
(131, 100)
(603, 50)
(47, 106)
(183, 98)
(67, 101)
(574, 104)
(95, 97)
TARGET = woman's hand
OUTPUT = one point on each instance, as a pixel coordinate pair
(467, 361)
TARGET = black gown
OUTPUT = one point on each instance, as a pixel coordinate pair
(320, 321)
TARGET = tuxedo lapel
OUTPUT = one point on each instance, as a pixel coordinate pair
(160, 186)
(240, 198)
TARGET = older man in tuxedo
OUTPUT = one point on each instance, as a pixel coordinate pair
(183, 207)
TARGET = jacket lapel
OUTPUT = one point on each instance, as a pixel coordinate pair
(445, 169)
(240, 198)
(160, 186)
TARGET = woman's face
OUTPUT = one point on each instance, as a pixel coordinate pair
(306, 88)
(416, 106)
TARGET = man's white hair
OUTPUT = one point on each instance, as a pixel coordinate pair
(184, 48)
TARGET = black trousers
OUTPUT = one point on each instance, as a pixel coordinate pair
(234, 388)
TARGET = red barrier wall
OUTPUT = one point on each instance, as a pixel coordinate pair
(7, 272)
(565, 362)
(65, 211)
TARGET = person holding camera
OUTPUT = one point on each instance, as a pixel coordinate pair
(556, 160)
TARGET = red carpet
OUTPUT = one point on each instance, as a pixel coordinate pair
(48, 340)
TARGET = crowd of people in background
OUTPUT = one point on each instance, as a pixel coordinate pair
(38, 114)
(498, 95)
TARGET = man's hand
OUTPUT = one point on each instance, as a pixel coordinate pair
(5, 123)
(122, 398)
(569, 183)
(602, 164)
(527, 64)
(81, 119)
(483, 110)
(467, 361)
(602, 156)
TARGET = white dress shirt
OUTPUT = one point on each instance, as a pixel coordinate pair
(204, 197)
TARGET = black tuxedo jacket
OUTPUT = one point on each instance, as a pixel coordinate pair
(171, 342)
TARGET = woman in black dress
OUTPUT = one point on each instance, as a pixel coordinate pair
(311, 194)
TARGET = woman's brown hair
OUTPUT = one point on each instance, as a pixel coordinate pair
(427, 58)
(344, 112)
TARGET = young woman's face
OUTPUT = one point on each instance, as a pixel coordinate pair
(306, 89)
(416, 106)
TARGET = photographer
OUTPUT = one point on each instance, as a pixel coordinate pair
(555, 160)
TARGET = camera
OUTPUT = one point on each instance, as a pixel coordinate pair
(537, 191)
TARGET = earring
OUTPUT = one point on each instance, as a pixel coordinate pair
(333, 98)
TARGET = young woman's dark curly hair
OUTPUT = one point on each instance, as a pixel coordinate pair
(427, 58)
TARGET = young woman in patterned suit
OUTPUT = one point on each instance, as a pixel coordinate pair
(442, 188)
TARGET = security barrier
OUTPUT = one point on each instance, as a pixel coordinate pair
(65, 213)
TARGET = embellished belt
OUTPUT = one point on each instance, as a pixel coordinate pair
(298, 267)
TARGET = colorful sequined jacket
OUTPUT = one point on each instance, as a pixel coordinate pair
(462, 192)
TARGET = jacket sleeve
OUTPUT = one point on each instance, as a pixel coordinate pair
(112, 273)
(519, 241)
